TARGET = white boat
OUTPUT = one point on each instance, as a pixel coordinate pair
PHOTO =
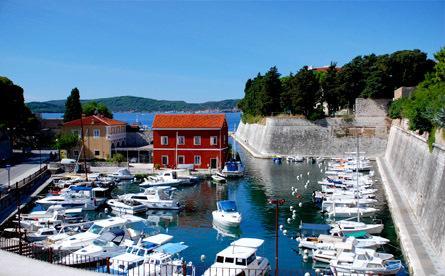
(122, 174)
(87, 198)
(329, 203)
(348, 226)
(233, 169)
(54, 216)
(41, 234)
(126, 206)
(226, 214)
(99, 227)
(155, 198)
(162, 261)
(363, 264)
(314, 242)
(218, 177)
(107, 245)
(240, 259)
(136, 255)
(166, 178)
(334, 211)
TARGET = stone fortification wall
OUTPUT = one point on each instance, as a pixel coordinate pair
(328, 137)
(371, 108)
(420, 175)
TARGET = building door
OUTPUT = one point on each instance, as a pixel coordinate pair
(213, 163)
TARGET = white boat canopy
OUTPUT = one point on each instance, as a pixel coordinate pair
(158, 239)
(248, 242)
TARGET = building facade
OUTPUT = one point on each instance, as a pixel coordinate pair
(200, 140)
(101, 136)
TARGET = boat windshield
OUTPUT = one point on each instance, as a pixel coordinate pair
(95, 229)
(100, 242)
(227, 206)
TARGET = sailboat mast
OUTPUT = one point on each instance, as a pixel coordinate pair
(356, 185)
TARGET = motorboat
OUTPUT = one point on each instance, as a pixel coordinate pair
(240, 259)
(155, 198)
(364, 211)
(349, 226)
(186, 177)
(163, 261)
(122, 174)
(314, 242)
(329, 203)
(365, 240)
(277, 159)
(99, 227)
(363, 264)
(361, 240)
(233, 168)
(54, 217)
(87, 198)
(219, 178)
(225, 231)
(126, 206)
(166, 178)
(137, 254)
(107, 245)
(41, 234)
(226, 214)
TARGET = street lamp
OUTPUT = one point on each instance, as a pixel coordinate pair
(277, 203)
(8, 168)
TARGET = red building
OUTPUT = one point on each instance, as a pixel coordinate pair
(198, 139)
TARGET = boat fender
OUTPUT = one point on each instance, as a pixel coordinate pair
(203, 258)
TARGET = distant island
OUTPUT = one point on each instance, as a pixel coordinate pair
(139, 104)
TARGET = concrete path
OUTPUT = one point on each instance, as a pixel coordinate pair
(252, 151)
(416, 247)
(14, 264)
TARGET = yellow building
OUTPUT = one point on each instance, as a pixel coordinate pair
(101, 135)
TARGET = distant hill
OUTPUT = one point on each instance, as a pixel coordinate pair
(138, 104)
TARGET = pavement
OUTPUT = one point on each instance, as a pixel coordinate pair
(23, 169)
(416, 247)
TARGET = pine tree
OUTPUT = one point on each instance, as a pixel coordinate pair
(73, 108)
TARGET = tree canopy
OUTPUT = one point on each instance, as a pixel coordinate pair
(94, 108)
(73, 108)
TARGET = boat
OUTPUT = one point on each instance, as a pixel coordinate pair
(219, 177)
(155, 198)
(137, 254)
(87, 198)
(41, 234)
(54, 217)
(240, 259)
(107, 245)
(167, 178)
(277, 159)
(233, 168)
(334, 211)
(99, 227)
(329, 203)
(362, 240)
(122, 174)
(226, 214)
(348, 226)
(314, 242)
(163, 261)
(363, 264)
(126, 206)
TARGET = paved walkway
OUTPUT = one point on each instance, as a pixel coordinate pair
(416, 247)
(22, 170)
(252, 151)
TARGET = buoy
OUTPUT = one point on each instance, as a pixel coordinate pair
(294, 216)
(305, 257)
(305, 186)
(300, 204)
(308, 173)
(293, 188)
(291, 208)
(294, 211)
(106, 210)
(317, 270)
(281, 227)
(203, 258)
(293, 193)
(289, 220)
(305, 251)
(285, 232)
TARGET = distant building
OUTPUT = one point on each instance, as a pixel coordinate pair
(197, 139)
(101, 136)
(53, 125)
(322, 69)
(403, 92)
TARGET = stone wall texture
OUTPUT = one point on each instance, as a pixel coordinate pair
(421, 176)
(371, 108)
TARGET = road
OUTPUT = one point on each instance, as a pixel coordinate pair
(24, 169)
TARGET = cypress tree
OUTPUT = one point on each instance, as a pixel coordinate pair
(73, 108)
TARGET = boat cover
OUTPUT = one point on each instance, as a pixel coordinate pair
(80, 188)
(231, 166)
(227, 205)
(357, 234)
(312, 229)
(248, 242)
(171, 248)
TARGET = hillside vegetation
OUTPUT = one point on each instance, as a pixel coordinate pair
(136, 104)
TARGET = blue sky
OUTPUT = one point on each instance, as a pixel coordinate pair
(196, 50)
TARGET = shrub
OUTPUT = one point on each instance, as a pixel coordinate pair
(250, 119)
(316, 114)
(118, 157)
(396, 108)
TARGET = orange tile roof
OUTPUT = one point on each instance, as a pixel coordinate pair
(95, 120)
(189, 121)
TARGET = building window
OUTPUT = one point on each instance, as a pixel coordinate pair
(96, 133)
(197, 159)
(181, 140)
(76, 133)
(164, 140)
(96, 153)
(213, 140)
(181, 159)
(197, 140)
(164, 160)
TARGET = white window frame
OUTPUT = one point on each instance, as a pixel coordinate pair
(162, 140)
(96, 131)
(181, 140)
(195, 142)
(213, 140)
(183, 159)
(194, 159)
(162, 160)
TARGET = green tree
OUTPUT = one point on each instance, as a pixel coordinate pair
(94, 108)
(408, 67)
(66, 141)
(270, 93)
(73, 108)
(330, 88)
